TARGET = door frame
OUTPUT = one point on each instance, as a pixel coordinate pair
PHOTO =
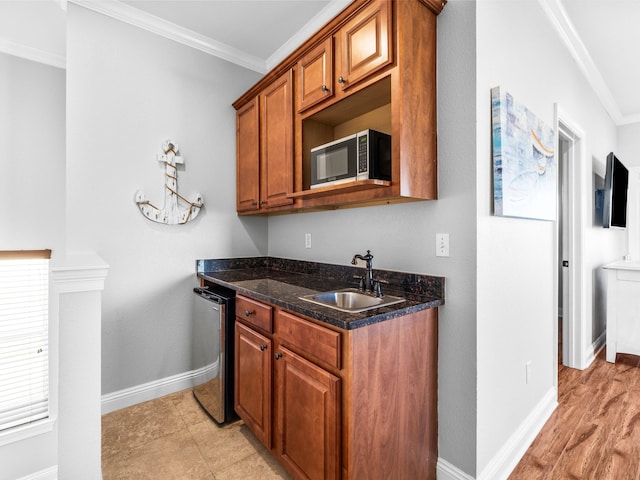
(574, 314)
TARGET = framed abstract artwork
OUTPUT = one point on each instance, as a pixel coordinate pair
(524, 163)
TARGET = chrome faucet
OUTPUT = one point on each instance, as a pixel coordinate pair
(368, 280)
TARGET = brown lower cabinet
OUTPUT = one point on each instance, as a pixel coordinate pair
(339, 404)
(307, 407)
(253, 367)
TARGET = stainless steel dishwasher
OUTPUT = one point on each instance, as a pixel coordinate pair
(212, 354)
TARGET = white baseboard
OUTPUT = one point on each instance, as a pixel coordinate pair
(507, 458)
(50, 473)
(447, 471)
(593, 350)
(157, 388)
(501, 466)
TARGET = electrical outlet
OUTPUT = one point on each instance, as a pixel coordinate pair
(442, 244)
(307, 240)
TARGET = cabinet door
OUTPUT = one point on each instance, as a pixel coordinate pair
(247, 157)
(252, 391)
(315, 75)
(366, 43)
(308, 417)
(276, 159)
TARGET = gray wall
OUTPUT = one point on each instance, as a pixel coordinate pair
(629, 145)
(129, 90)
(32, 201)
(32, 175)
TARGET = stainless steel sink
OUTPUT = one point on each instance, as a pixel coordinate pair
(351, 300)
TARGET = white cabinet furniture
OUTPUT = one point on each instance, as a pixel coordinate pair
(623, 308)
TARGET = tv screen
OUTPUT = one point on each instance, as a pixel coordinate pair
(616, 180)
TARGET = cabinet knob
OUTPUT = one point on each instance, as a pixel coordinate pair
(248, 313)
(325, 88)
(278, 356)
(263, 348)
(341, 79)
(253, 204)
(262, 202)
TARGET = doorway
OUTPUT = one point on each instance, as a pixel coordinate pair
(564, 251)
(569, 233)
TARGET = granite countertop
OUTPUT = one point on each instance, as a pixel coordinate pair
(281, 282)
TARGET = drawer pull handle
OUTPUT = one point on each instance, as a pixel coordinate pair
(263, 348)
(248, 313)
(278, 356)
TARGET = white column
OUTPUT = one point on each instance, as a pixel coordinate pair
(77, 283)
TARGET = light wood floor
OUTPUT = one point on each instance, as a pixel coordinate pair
(172, 438)
(594, 434)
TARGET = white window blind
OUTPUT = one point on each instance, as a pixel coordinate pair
(24, 335)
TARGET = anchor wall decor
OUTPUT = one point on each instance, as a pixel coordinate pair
(172, 212)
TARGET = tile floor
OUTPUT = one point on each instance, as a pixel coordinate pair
(172, 438)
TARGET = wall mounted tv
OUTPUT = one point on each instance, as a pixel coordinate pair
(616, 180)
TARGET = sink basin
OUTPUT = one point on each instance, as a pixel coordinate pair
(351, 300)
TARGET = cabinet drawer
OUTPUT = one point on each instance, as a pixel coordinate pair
(322, 343)
(254, 313)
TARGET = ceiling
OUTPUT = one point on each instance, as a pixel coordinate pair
(603, 37)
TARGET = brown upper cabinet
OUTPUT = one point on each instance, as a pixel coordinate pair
(364, 43)
(373, 66)
(248, 157)
(315, 75)
(264, 142)
(358, 49)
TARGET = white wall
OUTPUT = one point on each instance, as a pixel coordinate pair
(402, 237)
(628, 150)
(515, 257)
(32, 201)
(129, 90)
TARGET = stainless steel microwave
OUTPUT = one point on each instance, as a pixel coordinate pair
(363, 155)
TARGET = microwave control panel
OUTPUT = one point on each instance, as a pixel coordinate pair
(363, 157)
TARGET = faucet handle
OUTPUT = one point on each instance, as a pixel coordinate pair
(360, 279)
(377, 288)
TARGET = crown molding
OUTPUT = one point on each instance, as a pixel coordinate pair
(560, 21)
(133, 16)
(33, 54)
(628, 119)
